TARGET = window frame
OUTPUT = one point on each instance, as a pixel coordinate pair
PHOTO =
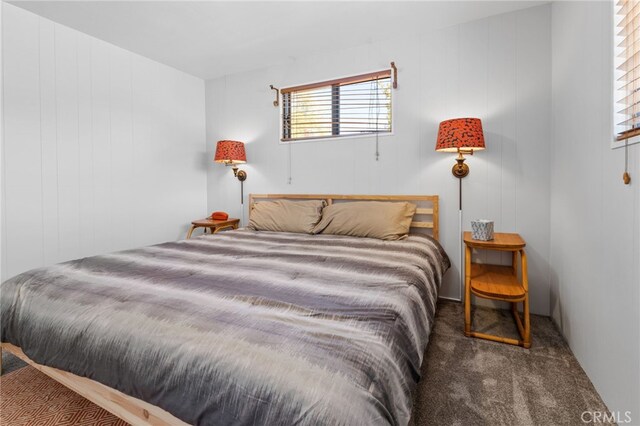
(615, 74)
(329, 82)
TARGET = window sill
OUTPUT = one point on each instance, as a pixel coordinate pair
(615, 144)
(335, 138)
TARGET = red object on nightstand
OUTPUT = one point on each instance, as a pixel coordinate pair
(219, 216)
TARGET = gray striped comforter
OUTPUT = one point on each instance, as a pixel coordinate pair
(241, 327)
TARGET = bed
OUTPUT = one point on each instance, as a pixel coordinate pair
(239, 327)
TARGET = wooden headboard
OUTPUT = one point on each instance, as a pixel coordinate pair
(425, 219)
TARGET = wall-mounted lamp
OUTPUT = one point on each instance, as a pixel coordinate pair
(461, 135)
(232, 153)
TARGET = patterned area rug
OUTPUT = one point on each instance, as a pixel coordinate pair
(29, 397)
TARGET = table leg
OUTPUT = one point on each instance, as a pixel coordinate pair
(220, 228)
(467, 293)
(190, 231)
(525, 284)
(527, 324)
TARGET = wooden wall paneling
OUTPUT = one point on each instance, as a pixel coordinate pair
(101, 147)
(191, 115)
(594, 217)
(616, 206)
(499, 58)
(507, 80)
(578, 305)
(85, 146)
(71, 180)
(49, 142)
(188, 147)
(164, 144)
(22, 146)
(158, 149)
(121, 147)
(452, 53)
(3, 222)
(67, 119)
(144, 154)
(407, 118)
(534, 132)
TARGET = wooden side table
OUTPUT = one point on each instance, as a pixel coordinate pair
(498, 282)
(213, 225)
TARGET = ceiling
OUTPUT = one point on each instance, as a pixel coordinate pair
(211, 39)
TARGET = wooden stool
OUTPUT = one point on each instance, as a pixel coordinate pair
(214, 226)
(498, 282)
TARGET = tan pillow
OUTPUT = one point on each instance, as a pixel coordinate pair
(286, 215)
(373, 219)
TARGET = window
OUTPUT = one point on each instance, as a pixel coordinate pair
(358, 105)
(627, 79)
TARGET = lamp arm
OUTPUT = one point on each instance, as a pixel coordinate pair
(460, 169)
(276, 102)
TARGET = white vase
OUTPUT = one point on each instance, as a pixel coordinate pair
(482, 229)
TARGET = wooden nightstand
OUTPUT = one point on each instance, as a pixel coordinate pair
(498, 282)
(213, 225)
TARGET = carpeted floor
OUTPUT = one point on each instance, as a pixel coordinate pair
(465, 381)
(10, 363)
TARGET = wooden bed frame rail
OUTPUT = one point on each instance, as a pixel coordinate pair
(427, 206)
(130, 409)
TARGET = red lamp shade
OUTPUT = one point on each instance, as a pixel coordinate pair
(230, 152)
(460, 134)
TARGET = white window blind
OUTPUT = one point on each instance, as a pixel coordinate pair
(344, 107)
(627, 69)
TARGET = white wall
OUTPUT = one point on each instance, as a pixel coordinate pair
(102, 149)
(497, 69)
(595, 231)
